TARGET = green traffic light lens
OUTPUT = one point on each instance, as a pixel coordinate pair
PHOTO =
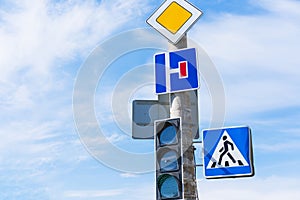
(168, 186)
(168, 135)
(169, 161)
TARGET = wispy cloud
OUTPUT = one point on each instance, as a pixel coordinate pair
(42, 46)
(257, 56)
(128, 175)
(84, 194)
(140, 191)
(276, 188)
(283, 146)
(35, 35)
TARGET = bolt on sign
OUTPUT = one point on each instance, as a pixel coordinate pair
(174, 18)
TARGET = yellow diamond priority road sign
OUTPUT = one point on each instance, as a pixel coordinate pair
(173, 19)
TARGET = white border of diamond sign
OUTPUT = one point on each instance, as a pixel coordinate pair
(174, 38)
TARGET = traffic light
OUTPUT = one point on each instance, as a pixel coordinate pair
(168, 159)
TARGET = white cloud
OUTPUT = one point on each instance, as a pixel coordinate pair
(275, 188)
(115, 137)
(128, 175)
(39, 39)
(281, 7)
(293, 132)
(35, 35)
(257, 56)
(283, 146)
(42, 46)
(143, 191)
(114, 102)
(92, 193)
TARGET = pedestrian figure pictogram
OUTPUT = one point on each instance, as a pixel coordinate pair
(225, 150)
(226, 154)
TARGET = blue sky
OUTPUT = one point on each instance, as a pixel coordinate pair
(253, 44)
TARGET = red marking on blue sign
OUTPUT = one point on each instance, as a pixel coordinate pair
(183, 69)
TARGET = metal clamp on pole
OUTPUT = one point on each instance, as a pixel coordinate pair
(197, 142)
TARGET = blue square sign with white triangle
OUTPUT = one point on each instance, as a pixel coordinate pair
(227, 152)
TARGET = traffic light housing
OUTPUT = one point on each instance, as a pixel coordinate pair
(168, 159)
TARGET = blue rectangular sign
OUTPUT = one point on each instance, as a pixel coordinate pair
(227, 152)
(176, 71)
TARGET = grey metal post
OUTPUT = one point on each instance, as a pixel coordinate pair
(181, 107)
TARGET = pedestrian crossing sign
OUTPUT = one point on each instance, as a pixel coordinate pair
(227, 152)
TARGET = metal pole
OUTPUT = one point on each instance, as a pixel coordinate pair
(181, 107)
